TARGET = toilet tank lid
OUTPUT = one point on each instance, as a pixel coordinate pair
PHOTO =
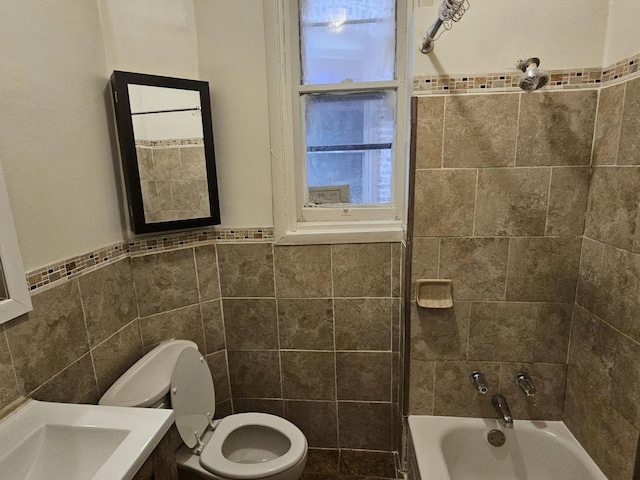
(149, 379)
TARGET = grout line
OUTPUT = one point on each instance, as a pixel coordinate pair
(475, 203)
(515, 149)
(19, 387)
(624, 100)
(86, 332)
(506, 277)
(335, 354)
(444, 122)
(546, 215)
(275, 294)
(204, 332)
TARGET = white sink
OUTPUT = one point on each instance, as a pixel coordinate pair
(43, 440)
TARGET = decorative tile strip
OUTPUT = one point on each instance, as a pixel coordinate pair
(508, 81)
(47, 277)
(179, 142)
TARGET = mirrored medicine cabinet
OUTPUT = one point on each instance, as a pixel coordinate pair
(165, 134)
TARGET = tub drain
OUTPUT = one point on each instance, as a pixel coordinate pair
(496, 438)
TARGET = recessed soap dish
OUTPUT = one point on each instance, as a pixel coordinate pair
(434, 293)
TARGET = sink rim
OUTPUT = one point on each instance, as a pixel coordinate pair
(146, 428)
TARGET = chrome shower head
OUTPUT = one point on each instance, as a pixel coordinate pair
(534, 77)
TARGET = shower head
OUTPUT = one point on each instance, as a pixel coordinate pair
(534, 77)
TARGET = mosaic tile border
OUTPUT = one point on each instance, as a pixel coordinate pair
(178, 142)
(51, 275)
(508, 81)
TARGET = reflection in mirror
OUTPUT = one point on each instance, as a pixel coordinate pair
(15, 299)
(169, 141)
(166, 145)
(3, 285)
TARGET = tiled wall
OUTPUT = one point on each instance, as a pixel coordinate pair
(310, 333)
(173, 180)
(602, 406)
(501, 183)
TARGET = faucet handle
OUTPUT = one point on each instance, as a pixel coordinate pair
(479, 382)
(524, 382)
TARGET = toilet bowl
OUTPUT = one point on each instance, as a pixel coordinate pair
(239, 446)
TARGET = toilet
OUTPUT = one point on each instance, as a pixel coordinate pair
(240, 446)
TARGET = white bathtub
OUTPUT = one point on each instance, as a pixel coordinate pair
(453, 448)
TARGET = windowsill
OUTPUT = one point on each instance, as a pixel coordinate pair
(309, 233)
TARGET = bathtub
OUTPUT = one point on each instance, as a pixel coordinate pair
(453, 448)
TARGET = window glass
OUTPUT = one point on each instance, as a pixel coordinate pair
(349, 146)
(347, 40)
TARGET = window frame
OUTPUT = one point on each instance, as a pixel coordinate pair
(295, 223)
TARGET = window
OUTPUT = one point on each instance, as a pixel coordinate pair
(338, 102)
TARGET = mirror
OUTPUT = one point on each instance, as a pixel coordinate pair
(166, 146)
(14, 293)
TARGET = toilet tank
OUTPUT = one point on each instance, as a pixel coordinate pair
(147, 382)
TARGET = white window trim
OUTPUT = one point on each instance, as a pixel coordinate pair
(292, 223)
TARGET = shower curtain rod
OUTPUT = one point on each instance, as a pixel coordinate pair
(194, 109)
(450, 11)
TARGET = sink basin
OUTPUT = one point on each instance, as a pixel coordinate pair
(44, 440)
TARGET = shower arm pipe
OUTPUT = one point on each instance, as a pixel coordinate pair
(427, 42)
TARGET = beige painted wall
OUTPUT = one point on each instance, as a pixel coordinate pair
(623, 40)
(232, 59)
(54, 130)
(494, 34)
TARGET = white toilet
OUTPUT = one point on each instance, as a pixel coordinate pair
(240, 446)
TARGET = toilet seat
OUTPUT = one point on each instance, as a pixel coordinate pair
(213, 459)
(193, 402)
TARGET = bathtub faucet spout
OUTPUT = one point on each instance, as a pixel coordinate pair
(501, 406)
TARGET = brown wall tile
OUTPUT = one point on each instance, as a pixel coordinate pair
(165, 281)
(303, 271)
(74, 384)
(455, 396)
(608, 121)
(184, 323)
(363, 323)
(553, 332)
(556, 128)
(613, 206)
(618, 298)
(512, 201)
(308, 375)
(50, 338)
(590, 273)
(254, 374)
(567, 201)
(207, 267)
(365, 426)
(480, 130)
(108, 299)
(543, 269)
(397, 259)
(444, 202)
(217, 363)
(593, 350)
(361, 270)
(629, 150)
(440, 334)
(424, 260)
(317, 420)
(421, 386)
(115, 355)
(625, 386)
(477, 266)
(606, 436)
(213, 326)
(306, 324)
(502, 331)
(246, 270)
(250, 323)
(274, 407)
(549, 380)
(364, 376)
(430, 122)
(8, 385)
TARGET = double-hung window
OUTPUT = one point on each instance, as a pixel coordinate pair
(338, 103)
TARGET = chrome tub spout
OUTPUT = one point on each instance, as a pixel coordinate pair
(501, 406)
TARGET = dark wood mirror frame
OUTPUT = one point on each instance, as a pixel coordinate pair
(120, 82)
